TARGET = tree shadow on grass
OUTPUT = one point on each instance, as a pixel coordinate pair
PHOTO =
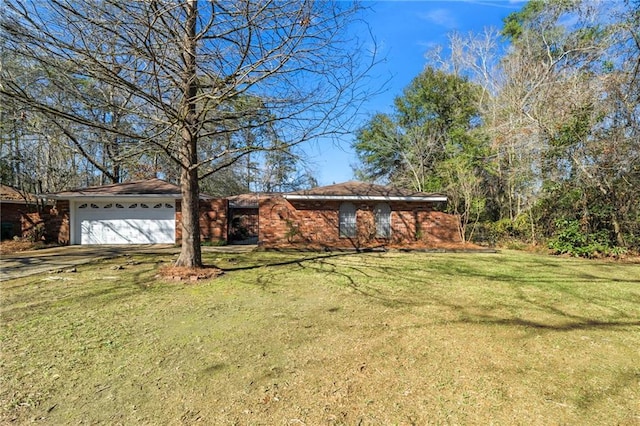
(554, 306)
(622, 381)
(416, 282)
(583, 324)
(295, 260)
(370, 279)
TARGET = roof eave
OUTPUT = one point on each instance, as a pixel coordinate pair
(107, 196)
(14, 201)
(300, 197)
(243, 206)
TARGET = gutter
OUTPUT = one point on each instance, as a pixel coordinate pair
(107, 197)
(433, 199)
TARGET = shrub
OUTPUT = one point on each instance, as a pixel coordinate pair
(292, 231)
(35, 234)
(505, 232)
(213, 243)
(570, 238)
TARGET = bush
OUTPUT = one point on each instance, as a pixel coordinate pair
(213, 243)
(570, 238)
(35, 234)
(505, 232)
(292, 231)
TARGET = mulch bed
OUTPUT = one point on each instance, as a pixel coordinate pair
(181, 273)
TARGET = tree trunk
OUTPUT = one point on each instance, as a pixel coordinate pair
(617, 230)
(191, 253)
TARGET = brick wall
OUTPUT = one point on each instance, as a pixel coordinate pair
(57, 222)
(213, 220)
(11, 218)
(50, 224)
(314, 224)
(439, 227)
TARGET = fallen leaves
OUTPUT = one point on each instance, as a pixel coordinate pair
(181, 273)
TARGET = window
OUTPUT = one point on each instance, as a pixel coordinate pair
(382, 214)
(347, 225)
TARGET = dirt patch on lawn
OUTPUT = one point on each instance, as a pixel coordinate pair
(181, 273)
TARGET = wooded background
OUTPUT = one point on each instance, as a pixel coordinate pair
(533, 130)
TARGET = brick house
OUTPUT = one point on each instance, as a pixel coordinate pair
(355, 215)
(351, 215)
(19, 213)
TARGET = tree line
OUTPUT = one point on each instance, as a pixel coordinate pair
(533, 130)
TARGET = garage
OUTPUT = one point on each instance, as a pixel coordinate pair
(124, 222)
(136, 212)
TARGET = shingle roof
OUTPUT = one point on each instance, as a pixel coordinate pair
(362, 191)
(150, 187)
(12, 195)
(248, 200)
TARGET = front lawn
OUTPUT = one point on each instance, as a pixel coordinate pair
(294, 339)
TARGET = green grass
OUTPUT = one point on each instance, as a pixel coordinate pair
(292, 339)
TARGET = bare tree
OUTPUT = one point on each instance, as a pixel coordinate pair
(175, 72)
(560, 105)
(562, 115)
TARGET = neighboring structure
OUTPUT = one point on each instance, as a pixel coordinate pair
(356, 215)
(16, 211)
(351, 215)
(139, 212)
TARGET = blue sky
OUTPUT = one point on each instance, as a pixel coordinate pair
(404, 32)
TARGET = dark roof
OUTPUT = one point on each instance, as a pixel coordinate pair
(150, 187)
(362, 191)
(249, 200)
(9, 194)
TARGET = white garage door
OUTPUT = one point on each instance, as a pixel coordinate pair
(126, 222)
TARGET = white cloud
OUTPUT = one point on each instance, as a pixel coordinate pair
(443, 17)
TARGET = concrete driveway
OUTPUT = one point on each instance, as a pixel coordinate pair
(32, 262)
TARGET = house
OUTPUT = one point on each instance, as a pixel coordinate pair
(356, 215)
(137, 212)
(351, 215)
(16, 209)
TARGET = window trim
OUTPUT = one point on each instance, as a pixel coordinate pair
(382, 219)
(347, 220)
